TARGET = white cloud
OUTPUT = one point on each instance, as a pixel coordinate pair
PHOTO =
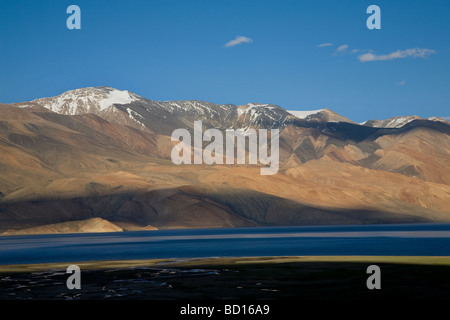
(401, 83)
(325, 45)
(416, 53)
(238, 40)
(342, 49)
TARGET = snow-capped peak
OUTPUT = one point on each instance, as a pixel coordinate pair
(84, 100)
(303, 114)
(321, 115)
(256, 105)
(397, 122)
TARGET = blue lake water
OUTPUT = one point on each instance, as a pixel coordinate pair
(397, 240)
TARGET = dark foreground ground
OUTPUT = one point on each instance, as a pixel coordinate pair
(274, 278)
(230, 288)
(306, 278)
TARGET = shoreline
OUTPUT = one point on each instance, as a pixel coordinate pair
(217, 261)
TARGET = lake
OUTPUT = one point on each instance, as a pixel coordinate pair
(396, 240)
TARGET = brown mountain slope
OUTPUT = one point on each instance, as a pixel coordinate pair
(44, 149)
(418, 152)
(67, 169)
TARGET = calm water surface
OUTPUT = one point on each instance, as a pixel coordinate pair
(397, 240)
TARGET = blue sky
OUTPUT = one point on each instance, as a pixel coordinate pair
(176, 50)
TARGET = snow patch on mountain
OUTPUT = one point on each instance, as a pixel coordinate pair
(134, 115)
(117, 97)
(303, 114)
(398, 122)
(24, 105)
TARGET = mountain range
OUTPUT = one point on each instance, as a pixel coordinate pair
(98, 159)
